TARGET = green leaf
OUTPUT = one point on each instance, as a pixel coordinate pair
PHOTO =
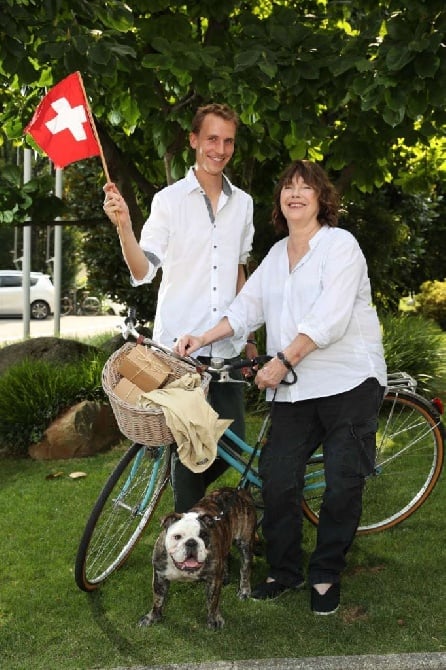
(398, 57)
(81, 43)
(12, 174)
(99, 53)
(123, 50)
(393, 117)
(8, 216)
(155, 61)
(114, 117)
(416, 105)
(246, 59)
(115, 15)
(396, 98)
(162, 44)
(268, 68)
(298, 150)
(343, 64)
(426, 65)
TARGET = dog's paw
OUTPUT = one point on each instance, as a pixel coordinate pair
(216, 623)
(148, 619)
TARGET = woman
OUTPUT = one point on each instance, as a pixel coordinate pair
(313, 293)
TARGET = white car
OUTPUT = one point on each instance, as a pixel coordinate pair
(11, 294)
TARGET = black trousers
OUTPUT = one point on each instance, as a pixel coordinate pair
(188, 487)
(345, 424)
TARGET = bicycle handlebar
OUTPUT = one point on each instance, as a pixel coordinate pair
(216, 366)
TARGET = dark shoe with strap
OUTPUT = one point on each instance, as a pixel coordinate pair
(272, 590)
(328, 603)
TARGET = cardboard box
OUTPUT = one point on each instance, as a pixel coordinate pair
(128, 391)
(144, 368)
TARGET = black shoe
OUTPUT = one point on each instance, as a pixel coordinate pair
(327, 603)
(272, 590)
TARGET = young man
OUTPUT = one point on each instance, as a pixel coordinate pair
(200, 232)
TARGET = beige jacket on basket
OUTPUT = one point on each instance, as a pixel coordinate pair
(195, 426)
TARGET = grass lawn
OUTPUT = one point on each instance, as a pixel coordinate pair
(393, 597)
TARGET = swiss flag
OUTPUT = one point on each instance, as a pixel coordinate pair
(62, 123)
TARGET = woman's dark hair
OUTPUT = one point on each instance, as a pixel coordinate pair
(316, 177)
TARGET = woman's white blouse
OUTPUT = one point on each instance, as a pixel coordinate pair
(326, 296)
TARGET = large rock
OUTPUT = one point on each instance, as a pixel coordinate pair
(50, 349)
(83, 430)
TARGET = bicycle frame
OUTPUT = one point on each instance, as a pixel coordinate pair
(139, 510)
(250, 474)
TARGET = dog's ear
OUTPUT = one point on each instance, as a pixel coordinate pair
(207, 520)
(168, 520)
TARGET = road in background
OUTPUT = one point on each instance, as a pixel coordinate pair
(11, 330)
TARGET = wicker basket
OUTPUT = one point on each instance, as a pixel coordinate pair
(146, 426)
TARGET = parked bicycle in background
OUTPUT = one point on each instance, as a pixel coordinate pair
(80, 302)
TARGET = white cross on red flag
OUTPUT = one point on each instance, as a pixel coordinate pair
(62, 124)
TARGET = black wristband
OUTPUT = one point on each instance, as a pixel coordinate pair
(251, 342)
(283, 359)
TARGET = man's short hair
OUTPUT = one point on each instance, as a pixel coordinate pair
(224, 111)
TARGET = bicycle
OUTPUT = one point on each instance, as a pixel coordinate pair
(410, 454)
(89, 304)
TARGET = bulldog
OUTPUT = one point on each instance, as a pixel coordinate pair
(195, 546)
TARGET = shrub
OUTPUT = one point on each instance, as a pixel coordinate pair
(415, 345)
(33, 393)
(432, 301)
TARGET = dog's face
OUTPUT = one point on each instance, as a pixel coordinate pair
(187, 542)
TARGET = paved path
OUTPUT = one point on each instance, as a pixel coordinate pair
(434, 661)
(12, 330)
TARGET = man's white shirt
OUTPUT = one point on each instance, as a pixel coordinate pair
(199, 255)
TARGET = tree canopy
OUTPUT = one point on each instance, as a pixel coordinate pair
(358, 85)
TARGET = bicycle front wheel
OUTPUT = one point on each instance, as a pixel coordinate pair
(122, 511)
(409, 460)
(91, 305)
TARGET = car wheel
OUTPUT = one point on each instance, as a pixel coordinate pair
(39, 310)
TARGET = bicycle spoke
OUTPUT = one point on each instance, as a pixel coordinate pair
(121, 513)
(409, 459)
(406, 463)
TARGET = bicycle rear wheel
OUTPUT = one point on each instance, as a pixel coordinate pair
(91, 305)
(122, 511)
(409, 460)
(66, 306)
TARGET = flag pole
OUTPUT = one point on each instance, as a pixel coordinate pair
(93, 127)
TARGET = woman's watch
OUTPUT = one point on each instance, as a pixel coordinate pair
(281, 356)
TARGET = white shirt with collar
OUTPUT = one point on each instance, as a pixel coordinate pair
(326, 296)
(199, 255)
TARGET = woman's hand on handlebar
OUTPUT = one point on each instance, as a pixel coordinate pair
(187, 344)
(270, 376)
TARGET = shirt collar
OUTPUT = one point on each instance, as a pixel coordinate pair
(193, 183)
(319, 235)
